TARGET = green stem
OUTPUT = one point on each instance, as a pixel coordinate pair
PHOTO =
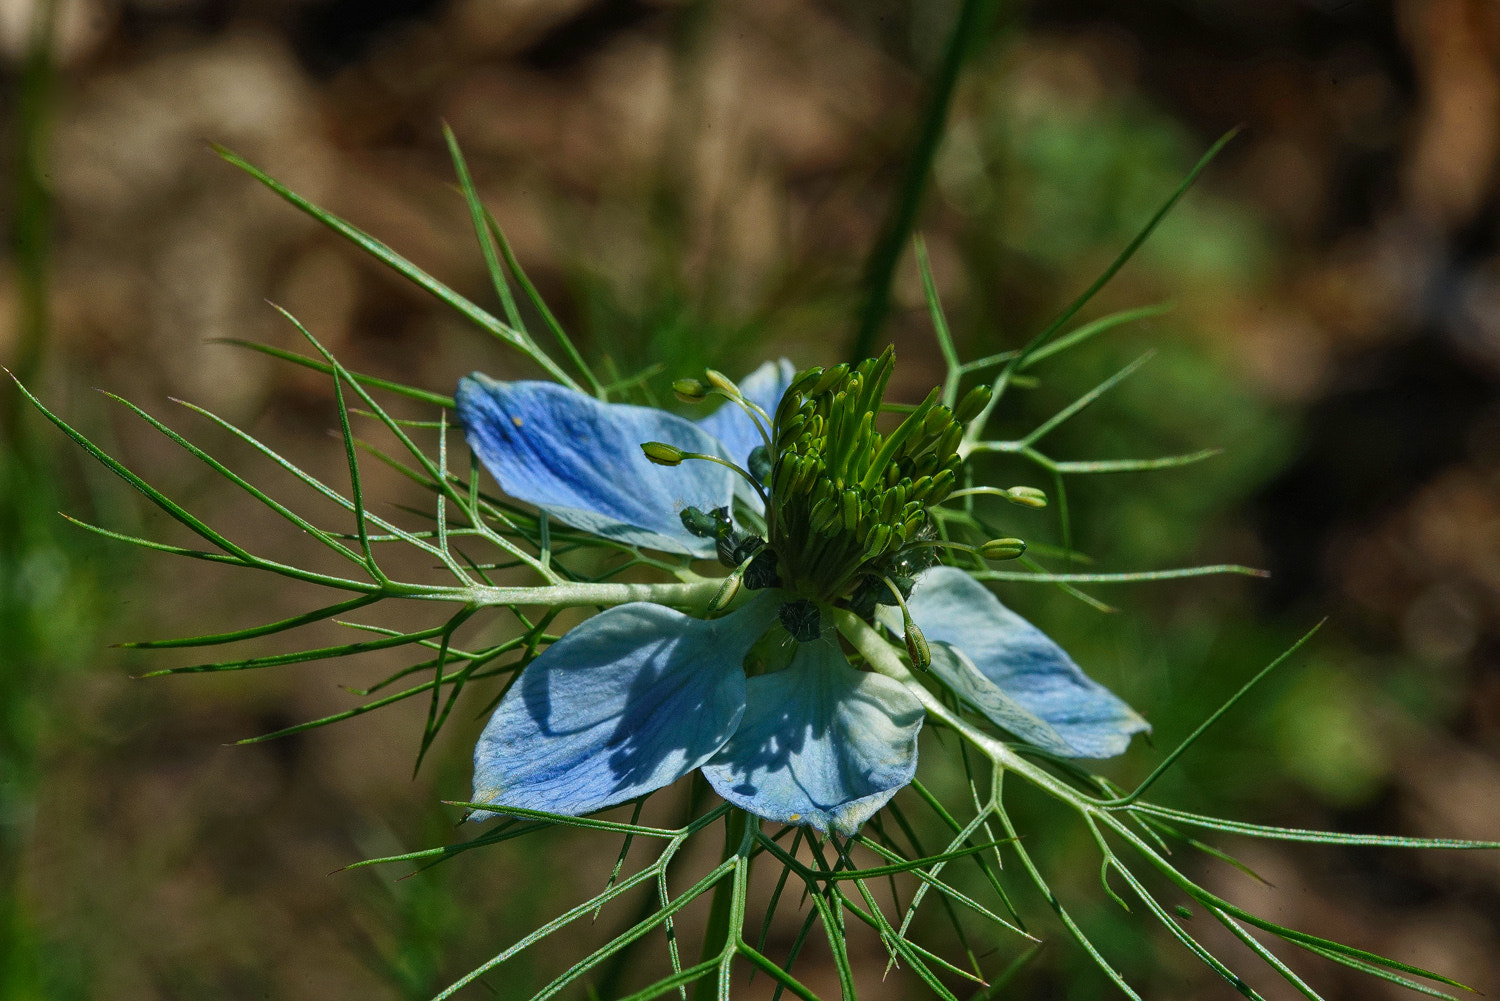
(720, 911)
(25, 493)
(881, 265)
(571, 594)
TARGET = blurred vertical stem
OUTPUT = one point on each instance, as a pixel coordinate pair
(21, 493)
(30, 228)
(974, 17)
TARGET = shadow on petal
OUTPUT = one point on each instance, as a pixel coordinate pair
(1014, 673)
(624, 704)
(820, 743)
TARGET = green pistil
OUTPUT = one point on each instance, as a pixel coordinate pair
(847, 500)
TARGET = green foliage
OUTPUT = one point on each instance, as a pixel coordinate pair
(963, 846)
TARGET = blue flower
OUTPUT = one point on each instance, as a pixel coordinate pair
(641, 694)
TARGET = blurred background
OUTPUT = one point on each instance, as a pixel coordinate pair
(697, 183)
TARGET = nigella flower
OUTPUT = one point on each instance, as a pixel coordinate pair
(815, 509)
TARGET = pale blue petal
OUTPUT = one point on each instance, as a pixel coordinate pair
(581, 460)
(732, 426)
(625, 703)
(820, 744)
(1013, 673)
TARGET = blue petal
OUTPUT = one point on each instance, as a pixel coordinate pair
(820, 744)
(581, 460)
(1013, 673)
(732, 426)
(625, 703)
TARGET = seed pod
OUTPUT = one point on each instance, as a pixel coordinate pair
(974, 401)
(1002, 549)
(663, 454)
(690, 390)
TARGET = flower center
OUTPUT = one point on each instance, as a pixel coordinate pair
(848, 503)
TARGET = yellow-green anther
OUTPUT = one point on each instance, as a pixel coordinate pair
(1002, 549)
(1026, 496)
(830, 377)
(690, 390)
(849, 505)
(788, 431)
(942, 485)
(804, 381)
(825, 514)
(974, 401)
(663, 454)
(727, 590)
(880, 538)
(854, 387)
(948, 443)
(791, 403)
(784, 473)
(722, 382)
(916, 644)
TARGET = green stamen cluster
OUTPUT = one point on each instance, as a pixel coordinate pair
(845, 498)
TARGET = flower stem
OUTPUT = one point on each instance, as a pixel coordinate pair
(718, 930)
(696, 594)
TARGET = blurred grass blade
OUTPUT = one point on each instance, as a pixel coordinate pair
(411, 392)
(968, 28)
